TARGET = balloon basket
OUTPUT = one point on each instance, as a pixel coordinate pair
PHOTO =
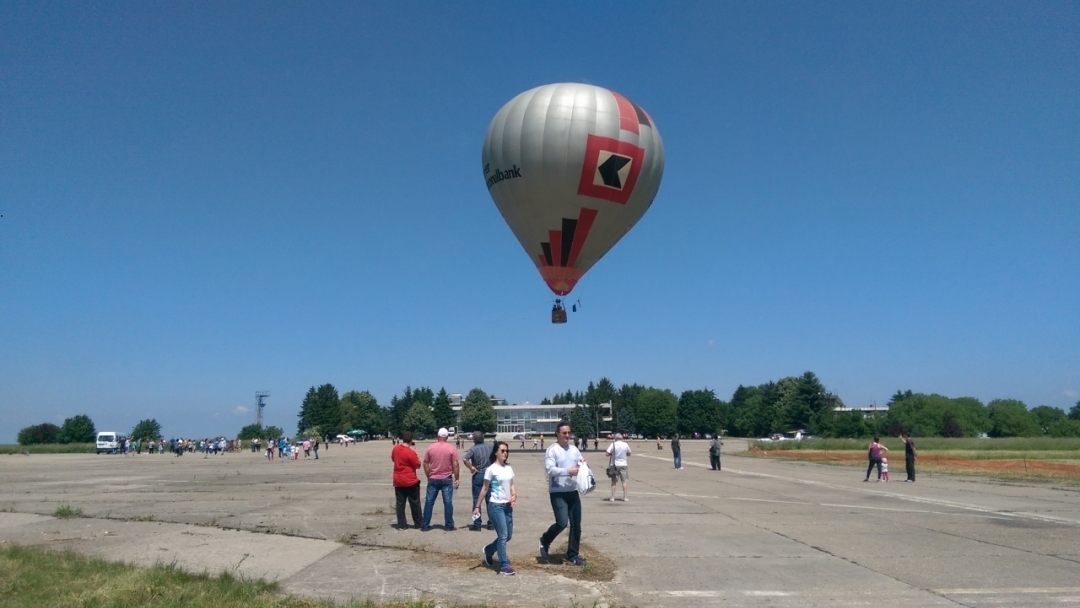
(558, 313)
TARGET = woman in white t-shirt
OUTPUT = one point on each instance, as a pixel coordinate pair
(499, 478)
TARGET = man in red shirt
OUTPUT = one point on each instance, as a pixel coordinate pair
(406, 483)
(440, 464)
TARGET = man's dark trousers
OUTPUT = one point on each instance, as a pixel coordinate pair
(567, 508)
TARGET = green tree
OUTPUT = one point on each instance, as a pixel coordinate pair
(360, 410)
(580, 424)
(900, 396)
(477, 413)
(399, 406)
(419, 419)
(787, 411)
(950, 426)
(274, 431)
(321, 408)
(39, 434)
(1010, 418)
(251, 431)
(1066, 427)
(623, 404)
(596, 395)
(935, 415)
(697, 412)
(77, 429)
(814, 401)
(1074, 412)
(1045, 416)
(146, 429)
(851, 425)
(657, 412)
(443, 411)
(752, 410)
(424, 395)
(725, 415)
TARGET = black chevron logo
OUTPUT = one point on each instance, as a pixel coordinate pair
(611, 169)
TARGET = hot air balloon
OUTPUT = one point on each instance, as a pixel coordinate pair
(571, 167)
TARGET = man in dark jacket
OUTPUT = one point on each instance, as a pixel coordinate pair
(477, 459)
(714, 453)
(676, 451)
(909, 456)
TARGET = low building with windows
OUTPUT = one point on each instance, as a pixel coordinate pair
(868, 411)
(529, 418)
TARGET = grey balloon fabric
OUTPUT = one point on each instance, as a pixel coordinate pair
(571, 167)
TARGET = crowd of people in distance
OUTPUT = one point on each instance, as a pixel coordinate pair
(284, 449)
(132, 447)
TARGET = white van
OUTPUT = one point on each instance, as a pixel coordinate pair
(110, 442)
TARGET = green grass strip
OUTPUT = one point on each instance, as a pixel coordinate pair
(936, 444)
(31, 577)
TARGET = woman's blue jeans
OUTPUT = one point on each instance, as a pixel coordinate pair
(502, 515)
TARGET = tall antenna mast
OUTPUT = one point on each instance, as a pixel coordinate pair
(260, 401)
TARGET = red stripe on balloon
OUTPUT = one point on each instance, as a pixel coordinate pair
(585, 222)
(543, 260)
(555, 238)
(628, 120)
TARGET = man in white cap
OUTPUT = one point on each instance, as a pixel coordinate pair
(440, 464)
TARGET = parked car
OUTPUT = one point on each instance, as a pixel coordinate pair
(343, 439)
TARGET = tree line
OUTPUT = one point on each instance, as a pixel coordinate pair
(80, 429)
(789, 404)
(420, 410)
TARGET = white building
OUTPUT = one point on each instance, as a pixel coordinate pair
(529, 418)
(868, 411)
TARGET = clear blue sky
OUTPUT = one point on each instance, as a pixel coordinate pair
(205, 200)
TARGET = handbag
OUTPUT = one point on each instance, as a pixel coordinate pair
(612, 472)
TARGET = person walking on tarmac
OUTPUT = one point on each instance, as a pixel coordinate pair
(477, 459)
(499, 485)
(561, 462)
(714, 452)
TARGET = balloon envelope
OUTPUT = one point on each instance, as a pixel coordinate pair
(571, 167)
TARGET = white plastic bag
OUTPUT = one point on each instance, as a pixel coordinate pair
(584, 479)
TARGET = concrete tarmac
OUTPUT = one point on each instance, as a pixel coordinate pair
(758, 533)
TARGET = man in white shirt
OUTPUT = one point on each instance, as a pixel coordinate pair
(561, 463)
(619, 454)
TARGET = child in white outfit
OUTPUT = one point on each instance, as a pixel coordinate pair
(885, 469)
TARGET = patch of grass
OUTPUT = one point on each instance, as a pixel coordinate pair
(50, 448)
(936, 444)
(598, 567)
(31, 577)
(1031, 466)
(66, 511)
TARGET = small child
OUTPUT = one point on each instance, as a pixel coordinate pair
(885, 469)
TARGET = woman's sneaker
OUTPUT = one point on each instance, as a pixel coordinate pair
(507, 571)
(543, 551)
(484, 557)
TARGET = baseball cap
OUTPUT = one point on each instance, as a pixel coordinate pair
(444, 433)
